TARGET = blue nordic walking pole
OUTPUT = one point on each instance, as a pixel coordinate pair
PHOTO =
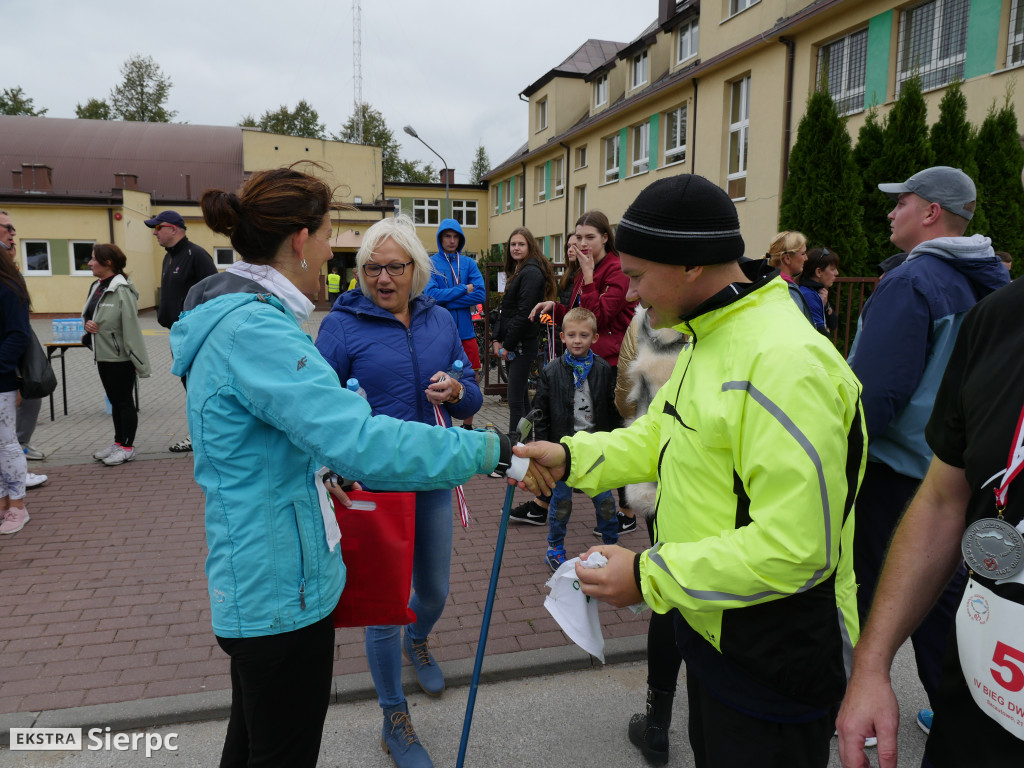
(525, 425)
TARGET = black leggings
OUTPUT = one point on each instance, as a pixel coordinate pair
(519, 382)
(118, 383)
(663, 657)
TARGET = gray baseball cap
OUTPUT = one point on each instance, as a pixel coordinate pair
(950, 188)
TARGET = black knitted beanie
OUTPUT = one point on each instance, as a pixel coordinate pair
(684, 220)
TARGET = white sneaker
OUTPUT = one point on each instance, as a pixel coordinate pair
(119, 455)
(102, 454)
(35, 481)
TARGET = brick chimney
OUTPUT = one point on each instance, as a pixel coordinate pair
(126, 181)
(447, 175)
(37, 177)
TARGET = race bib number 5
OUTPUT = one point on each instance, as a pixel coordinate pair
(989, 629)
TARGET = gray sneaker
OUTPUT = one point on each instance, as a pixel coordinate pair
(119, 455)
(104, 453)
(33, 454)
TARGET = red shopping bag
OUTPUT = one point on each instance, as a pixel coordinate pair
(377, 536)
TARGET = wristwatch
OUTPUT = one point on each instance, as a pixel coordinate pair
(462, 394)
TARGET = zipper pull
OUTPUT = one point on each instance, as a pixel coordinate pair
(302, 594)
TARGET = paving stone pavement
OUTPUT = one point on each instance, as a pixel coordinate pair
(105, 599)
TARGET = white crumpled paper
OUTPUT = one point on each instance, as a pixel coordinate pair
(576, 613)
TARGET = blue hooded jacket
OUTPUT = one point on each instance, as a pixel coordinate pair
(266, 411)
(905, 335)
(394, 363)
(449, 291)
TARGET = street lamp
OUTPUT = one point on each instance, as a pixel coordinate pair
(447, 201)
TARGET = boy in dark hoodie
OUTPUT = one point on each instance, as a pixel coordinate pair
(458, 286)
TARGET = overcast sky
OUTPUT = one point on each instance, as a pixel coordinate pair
(452, 69)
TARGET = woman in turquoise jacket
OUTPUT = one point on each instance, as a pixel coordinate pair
(265, 412)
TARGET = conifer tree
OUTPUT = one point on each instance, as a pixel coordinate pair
(874, 204)
(906, 150)
(953, 140)
(999, 180)
(822, 194)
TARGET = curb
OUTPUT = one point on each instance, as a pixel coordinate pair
(216, 705)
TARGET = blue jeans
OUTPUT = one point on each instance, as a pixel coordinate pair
(561, 509)
(431, 566)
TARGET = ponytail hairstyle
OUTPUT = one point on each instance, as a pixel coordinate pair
(533, 253)
(271, 206)
(109, 255)
(788, 241)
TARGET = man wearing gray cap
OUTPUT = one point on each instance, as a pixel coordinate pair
(185, 264)
(757, 445)
(904, 339)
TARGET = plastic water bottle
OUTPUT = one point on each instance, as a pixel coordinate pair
(54, 330)
(352, 385)
(509, 355)
(455, 371)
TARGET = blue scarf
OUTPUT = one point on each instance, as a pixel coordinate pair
(580, 368)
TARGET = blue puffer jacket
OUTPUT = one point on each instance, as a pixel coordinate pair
(394, 363)
(905, 335)
(451, 293)
(265, 411)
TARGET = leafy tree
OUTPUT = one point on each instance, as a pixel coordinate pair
(302, 121)
(905, 151)
(875, 205)
(13, 101)
(377, 134)
(93, 109)
(822, 194)
(999, 180)
(481, 165)
(953, 140)
(143, 92)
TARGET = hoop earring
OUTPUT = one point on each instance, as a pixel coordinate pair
(304, 265)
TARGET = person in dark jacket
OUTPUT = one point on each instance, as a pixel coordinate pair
(14, 340)
(576, 393)
(530, 280)
(400, 345)
(185, 264)
(820, 270)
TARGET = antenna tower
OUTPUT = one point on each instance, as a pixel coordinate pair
(357, 67)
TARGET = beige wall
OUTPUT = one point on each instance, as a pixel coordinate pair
(476, 237)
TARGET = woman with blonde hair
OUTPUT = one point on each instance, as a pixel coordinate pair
(787, 252)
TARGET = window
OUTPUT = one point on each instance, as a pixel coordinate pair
(581, 156)
(508, 195)
(601, 91)
(496, 198)
(36, 257)
(464, 212)
(736, 6)
(686, 41)
(426, 213)
(81, 252)
(932, 43)
(542, 187)
(542, 114)
(739, 126)
(557, 252)
(842, 66)
(611, 158)
(224, 257)
(557, 177)
(641, 147)
(521, 186)
(639, 69)
(1015, 45)
(675, 135)
(581, 200)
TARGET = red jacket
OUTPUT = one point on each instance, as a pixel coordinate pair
(606, 298)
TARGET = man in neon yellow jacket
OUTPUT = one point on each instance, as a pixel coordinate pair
(757, 444)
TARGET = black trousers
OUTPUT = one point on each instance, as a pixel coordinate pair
(663, 657)
(518, 382)
(721, 737)
(118, 381)
(280, 690)
(883, 497)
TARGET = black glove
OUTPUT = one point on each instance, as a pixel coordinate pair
(505, 452)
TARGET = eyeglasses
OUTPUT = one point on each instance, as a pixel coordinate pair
(396, 269)
(8, 227)
(158, 227)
